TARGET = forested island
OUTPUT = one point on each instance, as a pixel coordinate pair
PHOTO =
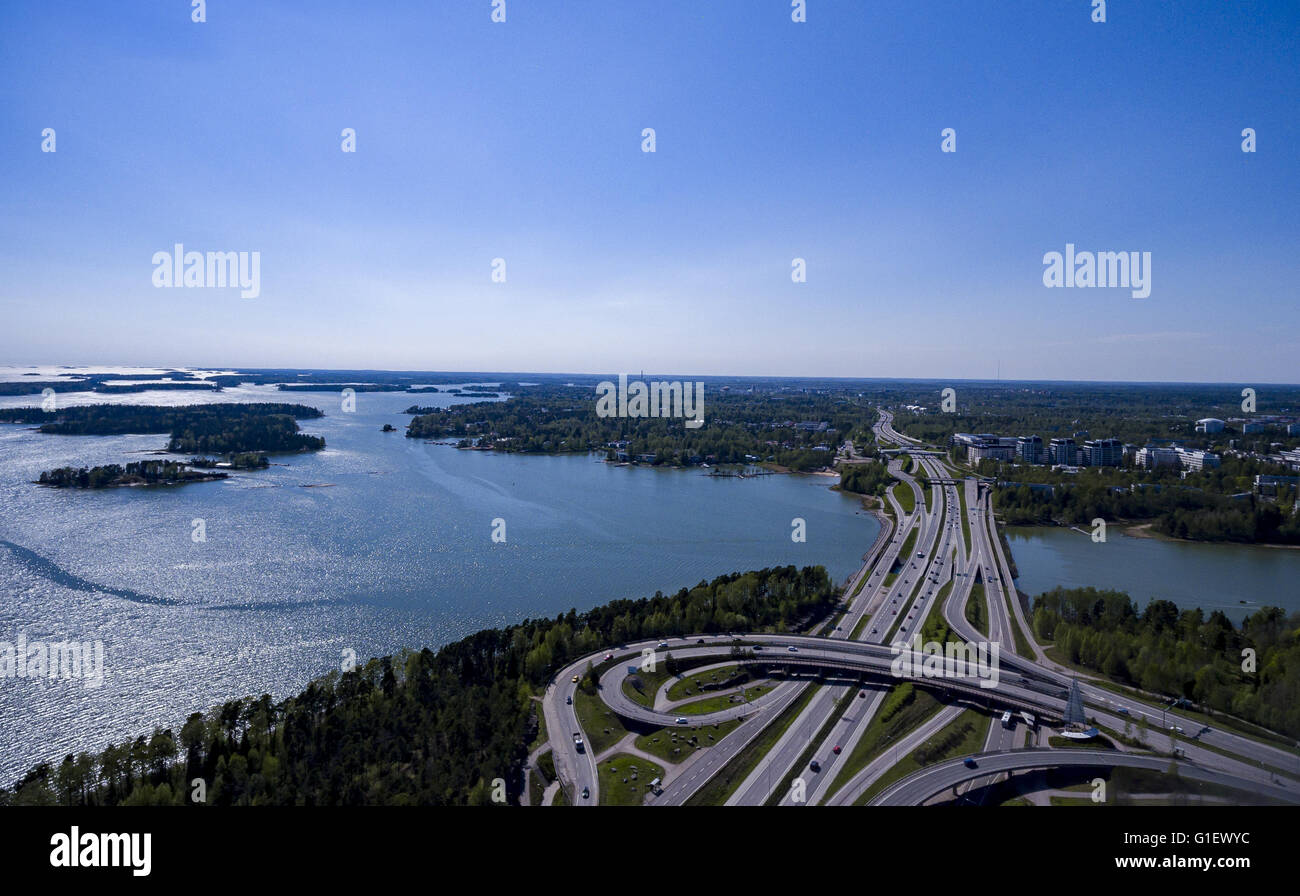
(796, 431)
(117, 382)
(424, 727)
(145, 472)
(241, 433)
(202, 428)
(247, 460)
(152, 472)
(107, 383)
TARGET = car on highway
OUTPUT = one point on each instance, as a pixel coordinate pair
(586, 793)
(792, 649)
(576, 679)
(815, 766)
(836, 749)
(862, 693)
(970, 763)
(662, 645)
(568, 701)
(1122, 710)
(682, 720)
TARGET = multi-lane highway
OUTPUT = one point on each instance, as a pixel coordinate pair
(887, 604)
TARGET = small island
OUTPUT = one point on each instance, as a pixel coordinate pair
(145, 472)
(247, 460)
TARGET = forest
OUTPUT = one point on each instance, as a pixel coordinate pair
(866, 479)
(422, 727)
(1213, 505)
(1181, 654)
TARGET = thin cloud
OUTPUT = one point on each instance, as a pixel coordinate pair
(1161, 336)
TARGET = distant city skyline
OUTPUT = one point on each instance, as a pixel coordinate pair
(775, 141)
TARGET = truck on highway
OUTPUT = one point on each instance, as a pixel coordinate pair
(578, 744)
(1006, 719)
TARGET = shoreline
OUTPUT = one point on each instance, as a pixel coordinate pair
(1144, 530)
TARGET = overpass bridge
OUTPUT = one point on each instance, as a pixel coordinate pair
(1011, 691)
(936, 780)
(1047, 706)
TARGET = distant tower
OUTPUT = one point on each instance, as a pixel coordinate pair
(1074, 714)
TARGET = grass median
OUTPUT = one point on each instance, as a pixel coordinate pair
(625, 779)
(964, 735)
(905, 708)
(721, 786)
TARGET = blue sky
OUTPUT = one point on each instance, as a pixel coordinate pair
(775, 140)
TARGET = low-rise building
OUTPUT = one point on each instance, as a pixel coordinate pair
(1150, 458)
(1196, 461)
(1270, 485)
(990, 451)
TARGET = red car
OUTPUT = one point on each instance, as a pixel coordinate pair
(835, 749)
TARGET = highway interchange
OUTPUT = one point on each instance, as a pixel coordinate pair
(888, 601)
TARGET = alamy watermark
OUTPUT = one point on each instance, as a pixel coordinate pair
(657, 399)
(954, 660)
(67, 660)
(1125, 270)
(215, 270)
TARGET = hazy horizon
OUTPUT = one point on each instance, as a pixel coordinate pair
(133, 369)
